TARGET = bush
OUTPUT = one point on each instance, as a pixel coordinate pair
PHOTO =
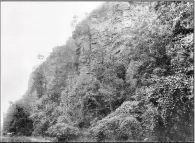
(63, 132)
(129, 129)
(119, 125)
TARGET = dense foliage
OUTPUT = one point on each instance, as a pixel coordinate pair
(17, 120)
(143, 90)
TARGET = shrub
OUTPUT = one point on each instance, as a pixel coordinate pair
(129, 128)
(119, 125)
(63, 132)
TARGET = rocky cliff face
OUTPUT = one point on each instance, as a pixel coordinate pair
(110, 29)
(108, 77)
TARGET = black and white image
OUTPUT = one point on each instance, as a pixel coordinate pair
(97, 71)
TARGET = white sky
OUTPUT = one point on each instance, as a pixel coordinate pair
(27, 29)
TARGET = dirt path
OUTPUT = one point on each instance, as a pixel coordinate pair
(23, 139)
(38, 140)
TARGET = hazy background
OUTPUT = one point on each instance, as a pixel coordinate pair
(29, 29)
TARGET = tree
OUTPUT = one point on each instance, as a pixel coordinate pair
(171, 93)
(17, 120)
(39, 83)
(40, 57)
(74, 21)
(84, 28)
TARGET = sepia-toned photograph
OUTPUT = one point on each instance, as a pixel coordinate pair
(97, 71)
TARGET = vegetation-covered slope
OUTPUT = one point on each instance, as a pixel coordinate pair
(125, 74)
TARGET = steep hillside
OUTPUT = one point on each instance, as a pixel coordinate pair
(125, 74)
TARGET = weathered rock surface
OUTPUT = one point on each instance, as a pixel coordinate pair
(109, 29)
